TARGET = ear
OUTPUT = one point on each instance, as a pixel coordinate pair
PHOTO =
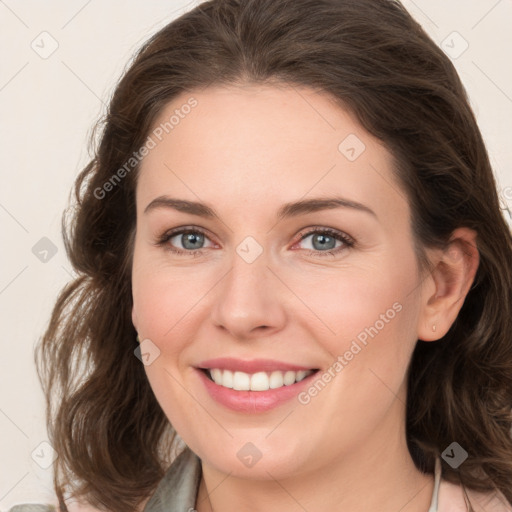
(445, 288)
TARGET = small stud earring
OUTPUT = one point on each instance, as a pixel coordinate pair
(434, 327)
(138, 339)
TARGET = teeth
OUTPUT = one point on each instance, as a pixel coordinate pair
(276, 380)
(260, 381)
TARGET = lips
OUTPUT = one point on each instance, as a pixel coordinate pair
(252, 366)
(255, 393)
(252, 386)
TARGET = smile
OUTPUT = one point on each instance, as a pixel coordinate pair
(255, 385)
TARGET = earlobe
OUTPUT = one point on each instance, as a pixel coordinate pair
(451, 279)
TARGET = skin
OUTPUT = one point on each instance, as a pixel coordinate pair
(245, 151)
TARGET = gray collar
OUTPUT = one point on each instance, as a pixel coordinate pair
(177, 491)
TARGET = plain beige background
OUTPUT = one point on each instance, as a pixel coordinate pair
(48, 105)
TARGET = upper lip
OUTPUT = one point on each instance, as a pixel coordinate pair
(252, 366)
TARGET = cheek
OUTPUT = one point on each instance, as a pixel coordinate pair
(368, 317)
(347, 302)
(164, 296)
(373, 315)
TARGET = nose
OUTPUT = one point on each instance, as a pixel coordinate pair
(249, 302)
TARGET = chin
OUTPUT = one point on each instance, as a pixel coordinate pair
(260, 460)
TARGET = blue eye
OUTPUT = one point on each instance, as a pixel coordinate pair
(321, 241)
(192, 241)
(324, 241)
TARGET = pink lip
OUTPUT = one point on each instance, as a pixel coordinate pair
(253, 366)
(252, 401)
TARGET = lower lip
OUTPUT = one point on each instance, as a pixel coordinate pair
(252, 401)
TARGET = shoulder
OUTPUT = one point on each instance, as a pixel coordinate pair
(452, 499)
(73, 506)
(32, 507)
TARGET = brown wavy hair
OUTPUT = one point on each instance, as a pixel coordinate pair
(113, 439)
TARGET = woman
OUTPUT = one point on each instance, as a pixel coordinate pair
(292, 210)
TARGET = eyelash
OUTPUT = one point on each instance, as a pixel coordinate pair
(337, 235)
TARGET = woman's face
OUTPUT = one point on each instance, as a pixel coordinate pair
(274, 274)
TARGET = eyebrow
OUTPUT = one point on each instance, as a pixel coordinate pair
(292, 209)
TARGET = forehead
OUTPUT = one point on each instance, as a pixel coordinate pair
(262, 144)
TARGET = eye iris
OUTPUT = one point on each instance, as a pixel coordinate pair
(197, 238)
(324, 241)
